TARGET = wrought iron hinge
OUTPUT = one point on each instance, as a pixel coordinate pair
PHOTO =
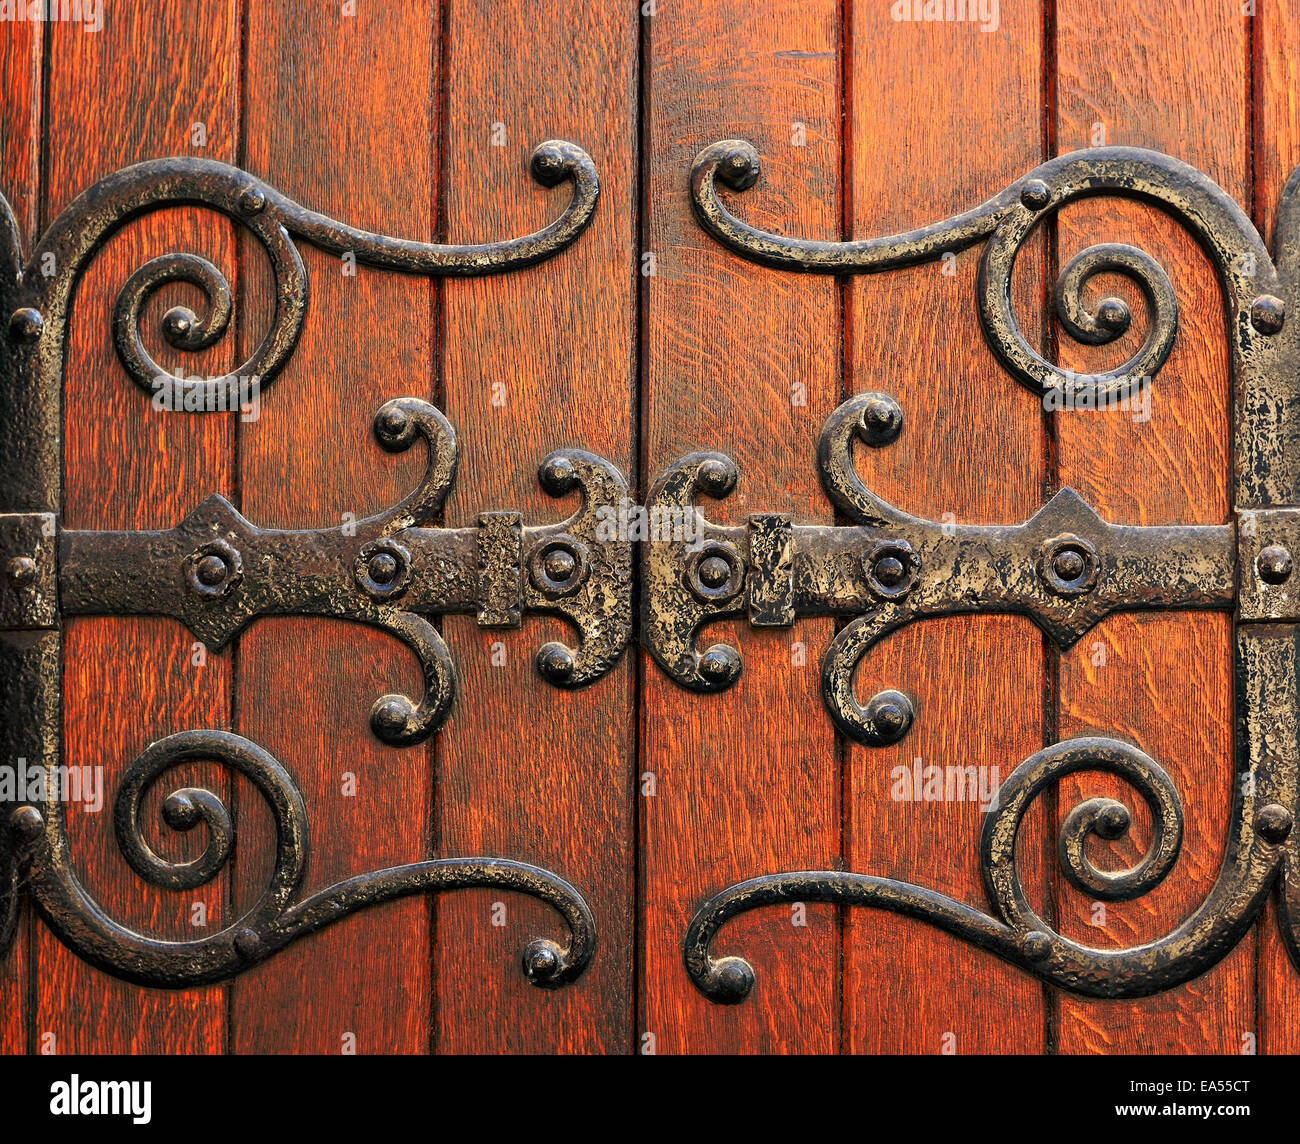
(1065, 568)
(216, 572)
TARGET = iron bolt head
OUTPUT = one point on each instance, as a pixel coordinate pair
(1267, 314)
(719, 666)
(1069, 564)
(714, 572)
(27, 823)
(21, 570)
(880, 421)
(1036, 945)
(1273, 822)
(890, 715)
(178, 323)
(890, 571)
(252, 201)
(211, 570)
(1114, 314)
(560, 565)
(383, 567)
(1274, 564)
(26, 324)
(1113, 821)
(1036, 194)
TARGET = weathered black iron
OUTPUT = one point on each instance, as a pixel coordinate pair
(1065, 568)
(216, 572)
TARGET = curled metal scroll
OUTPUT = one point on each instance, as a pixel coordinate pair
(42, 299)
(281, 915)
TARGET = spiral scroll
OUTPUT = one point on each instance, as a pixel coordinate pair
(42, 300)
(279, 916)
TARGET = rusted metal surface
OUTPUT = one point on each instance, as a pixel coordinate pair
(1065, 568)
(216, 572)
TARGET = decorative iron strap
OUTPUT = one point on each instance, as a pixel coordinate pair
(216, 572)
(1065, 568)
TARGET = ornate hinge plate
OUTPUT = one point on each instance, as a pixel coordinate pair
(1065, 568)
(217, 572)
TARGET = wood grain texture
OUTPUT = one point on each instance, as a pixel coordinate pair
(118, 96)
(1174, 81)
(1276, 152)
(339, 115)
(923, 145)
(744, 360)
(20, 161)
(537, 360)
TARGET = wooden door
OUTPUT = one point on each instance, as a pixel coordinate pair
(641, 340)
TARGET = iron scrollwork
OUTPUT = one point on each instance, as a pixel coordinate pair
(216, 572)
(1065, 568)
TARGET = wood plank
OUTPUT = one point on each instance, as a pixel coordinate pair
(922, 148)
(117, 96)
(1166, 683)
(339, 115)
(20, 161)
(1276, 153)
(744, 360)
(130, 681)
(537, 360)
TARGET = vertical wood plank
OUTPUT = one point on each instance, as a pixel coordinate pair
(340, 117)
(923, 145)
(20, 161)
(116, 96)
(536, 360)
(1276, 152)
(1174, 81)
(744, 360)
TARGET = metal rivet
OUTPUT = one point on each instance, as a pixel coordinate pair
(1036, 194)
(560, 565)
(383, 568)
(1273, 823)
(1036, 945)
(890, 571)
(716, 666)
(541, 961)
(715, 478)
(880, 421)
(177, 323)
(1069, 564)
(890, 715)
(26, 324)
(557, 475)
(1114, 314)
(714, 572)
(389, 717)
(247, 944)
(21, 570)
(1267, 313)
(179, 811)
(555, 663)
(27, 823)
(252, 201)
(1113, 821)
(211, 570)
(1274, 564)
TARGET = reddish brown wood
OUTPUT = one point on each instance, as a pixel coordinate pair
(1166, 684)
(924, 145)
(1276, 153)
(537, 360)
(338, 117)
(20, 117)
(117, 96)
(747, 782)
